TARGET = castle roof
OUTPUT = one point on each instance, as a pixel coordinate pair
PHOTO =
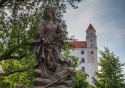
(79, 44)
(90, 27)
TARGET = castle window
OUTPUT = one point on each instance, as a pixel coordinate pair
(82, 46)
(91, 52)
(82, 52)
(83, 60)
(83, 69)
(91, 40)
(91, 44)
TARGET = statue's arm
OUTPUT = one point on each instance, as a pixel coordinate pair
(41, 30)
(40, 33)
(59, 31)
(59, 36)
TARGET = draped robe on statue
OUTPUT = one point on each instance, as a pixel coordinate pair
(47, 56)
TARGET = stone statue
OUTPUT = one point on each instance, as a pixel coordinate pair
(50, 71)
(20, 86)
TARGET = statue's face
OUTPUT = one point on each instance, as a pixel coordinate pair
(49, 13)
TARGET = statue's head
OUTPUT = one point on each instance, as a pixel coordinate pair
(48, 12)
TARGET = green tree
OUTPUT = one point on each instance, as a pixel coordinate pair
(81, 80)
(110, 75)
(17, 30)
(25, 2)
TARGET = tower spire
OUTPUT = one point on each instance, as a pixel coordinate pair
(90, 27)
(91, 37)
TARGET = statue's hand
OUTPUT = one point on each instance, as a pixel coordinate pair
(45, 41)
(57, 37)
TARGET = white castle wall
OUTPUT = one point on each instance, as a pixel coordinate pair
(90, 63)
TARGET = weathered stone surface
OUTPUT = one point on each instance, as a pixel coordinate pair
(50, 71)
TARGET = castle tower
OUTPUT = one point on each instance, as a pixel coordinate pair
(91, 37)
(86, 51)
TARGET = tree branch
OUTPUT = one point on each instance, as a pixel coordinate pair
(16, 57)
(7, 54)
(3, 2)
(9, 73)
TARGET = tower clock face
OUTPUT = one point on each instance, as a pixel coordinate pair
(90, 56)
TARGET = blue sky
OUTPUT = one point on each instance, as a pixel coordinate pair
(108, 19)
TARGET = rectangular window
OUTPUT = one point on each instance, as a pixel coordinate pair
(91, 52)
(83, 69)
(83, 60)
(82, 52)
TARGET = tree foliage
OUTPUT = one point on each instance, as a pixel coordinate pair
(18, 27)
(26, 2)
(81, 80)
(110, 75)
(19, 20)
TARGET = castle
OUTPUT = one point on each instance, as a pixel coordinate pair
(86, 51)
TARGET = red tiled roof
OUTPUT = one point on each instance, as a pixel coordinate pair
(78, 44)
(90, 27)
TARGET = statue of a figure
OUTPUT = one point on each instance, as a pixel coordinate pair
(20, 86)
(49, 69)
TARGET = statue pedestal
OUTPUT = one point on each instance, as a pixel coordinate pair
(62, 77)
